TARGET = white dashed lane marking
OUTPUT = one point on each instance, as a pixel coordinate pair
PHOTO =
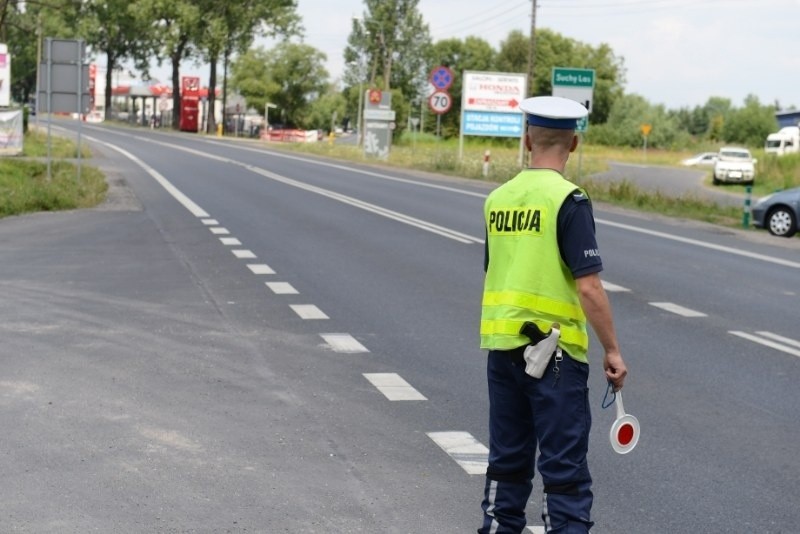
(783, 344)
(260, 268)
(244, 254)
(282, 288)
(614, 288)
(394, 387)
(467, 451)
(678, 310)
(228, 241)
(308, 311)
(218, 230)
(343, 343)
(210, 222)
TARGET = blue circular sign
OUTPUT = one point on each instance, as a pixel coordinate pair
(441, 78)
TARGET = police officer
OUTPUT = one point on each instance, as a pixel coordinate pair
(542, 266)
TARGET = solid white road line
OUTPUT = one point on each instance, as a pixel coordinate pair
(219, 231)
(390, 214)
(282, 288)
(308, 311)
(767, 343)
(614, 288)
(210, 222)
(776, 337)
(185, 201)
(695, 242)
(394, 387)
(244, 254)
(678, 310)
(230, 241)
(467, 451)
(344, 343)
(260, 268)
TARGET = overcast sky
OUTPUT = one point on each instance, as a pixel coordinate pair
(676, 52)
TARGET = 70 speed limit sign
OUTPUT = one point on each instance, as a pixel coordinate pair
(440, 102)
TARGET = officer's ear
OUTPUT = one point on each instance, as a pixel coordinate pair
(574, 144)
(528, 143)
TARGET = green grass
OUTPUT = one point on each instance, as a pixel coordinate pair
(35, 146)
(25, 187)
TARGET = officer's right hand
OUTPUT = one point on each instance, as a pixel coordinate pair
(615, 369)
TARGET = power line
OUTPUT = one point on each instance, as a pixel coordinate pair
(463, 25)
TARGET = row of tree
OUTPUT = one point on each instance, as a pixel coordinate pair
(389, 47)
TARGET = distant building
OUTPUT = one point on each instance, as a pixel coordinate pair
(788, 118)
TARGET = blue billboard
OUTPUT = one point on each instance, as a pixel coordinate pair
(492, 123)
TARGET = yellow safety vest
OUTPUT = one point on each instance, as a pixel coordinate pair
(527, 279)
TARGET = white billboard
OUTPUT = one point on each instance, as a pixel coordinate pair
(493, 91)
(5, 76)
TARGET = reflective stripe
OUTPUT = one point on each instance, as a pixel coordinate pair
(491, 506)
(510, 327)
(533, 302)
(546, 514)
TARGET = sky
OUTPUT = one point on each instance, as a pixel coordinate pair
(676, 52)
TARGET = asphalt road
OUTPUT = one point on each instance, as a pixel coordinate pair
(244, 340)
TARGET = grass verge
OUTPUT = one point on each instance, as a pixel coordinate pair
(25, 187)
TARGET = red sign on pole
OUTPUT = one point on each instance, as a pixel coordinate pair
(440, 102)
(441, 78)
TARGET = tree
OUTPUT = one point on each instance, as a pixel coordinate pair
(232, 26)
(327, 111)
(555, 50)
(111, 27)
(471, 54)
(291, 75)
(173, 25)
(22, 29)
(393, 40)
(751, 124)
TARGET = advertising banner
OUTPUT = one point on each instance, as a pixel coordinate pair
(10, 133)
(5, 77)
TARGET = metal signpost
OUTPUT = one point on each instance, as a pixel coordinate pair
(440, 101)
(490, 106)
(378, 123)
(578, 85)
(63, 86)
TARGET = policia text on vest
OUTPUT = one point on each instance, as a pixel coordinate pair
(516, 221)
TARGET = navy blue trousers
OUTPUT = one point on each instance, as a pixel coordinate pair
(554, 415)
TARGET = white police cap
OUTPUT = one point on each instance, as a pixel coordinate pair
(553, 112)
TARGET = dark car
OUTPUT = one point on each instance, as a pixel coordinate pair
(779, 212)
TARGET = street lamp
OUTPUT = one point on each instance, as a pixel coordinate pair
(266, 117)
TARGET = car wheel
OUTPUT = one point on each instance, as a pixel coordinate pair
(781, 222)
(715, 180)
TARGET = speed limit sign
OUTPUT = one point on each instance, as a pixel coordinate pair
(440, 102)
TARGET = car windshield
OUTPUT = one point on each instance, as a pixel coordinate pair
(734, 154)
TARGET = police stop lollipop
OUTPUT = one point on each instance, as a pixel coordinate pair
(624, 434)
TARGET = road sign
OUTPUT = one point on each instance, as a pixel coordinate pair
(493, 91)
(441, 78)
(575, 84)
(440, 102)
(646, 128)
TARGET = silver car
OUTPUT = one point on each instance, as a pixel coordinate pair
(779, 212)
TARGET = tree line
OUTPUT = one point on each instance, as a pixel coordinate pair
(389, 47)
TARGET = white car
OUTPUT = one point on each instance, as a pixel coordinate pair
(734, 165)
(703, 159)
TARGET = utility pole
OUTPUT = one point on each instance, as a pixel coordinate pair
(532, 50)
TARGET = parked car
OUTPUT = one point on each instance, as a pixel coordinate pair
(779, 212)
(734, 165)
(703, 159)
